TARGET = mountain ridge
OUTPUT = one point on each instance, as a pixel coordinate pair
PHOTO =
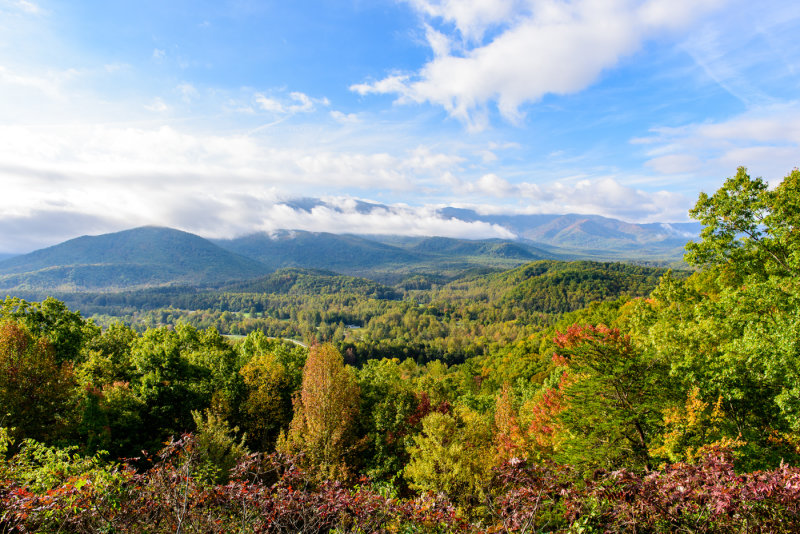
(152, 256)
(138, 257)
(584, 231)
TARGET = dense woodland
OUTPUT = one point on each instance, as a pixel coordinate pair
(554, 397)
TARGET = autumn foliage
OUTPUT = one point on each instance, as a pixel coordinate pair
(274, 494)
(34, 389)
(325, 413)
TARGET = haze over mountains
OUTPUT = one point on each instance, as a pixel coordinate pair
(153, 256)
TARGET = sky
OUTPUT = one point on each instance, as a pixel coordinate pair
(214, 116)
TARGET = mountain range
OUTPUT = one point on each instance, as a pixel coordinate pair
(575, 233)
(582, 234)
(154, 256)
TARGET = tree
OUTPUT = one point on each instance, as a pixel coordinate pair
(168, 385)
(267, 408)
(613, 407)
(216, 359)
(325, 413)
(453, 455)
(272, 372)
(733, 329)
(749, 227)
(692, 431)
(508, 436)
(387, 408)
(36, 393)
(217, 447)
(66, 330)
(107, 357)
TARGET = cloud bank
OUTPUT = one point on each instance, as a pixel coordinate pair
(93, 178)
(600, 196)
(98, 142)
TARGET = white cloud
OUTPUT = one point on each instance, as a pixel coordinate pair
(493, 185)
(487, 156)
(598, 195)
(296, 103)
(424, 159)
(187, 91)
(302, 102)
(542, 46)
(342, 117)
(391, 84)
(675, 163)
(764, 139)
(25, 6)
(158, 105)
(472, 18)
(159, 54)
(269, 104)
(111, 68)
(421, 221)
(109, 177)
(198, 182)
(49, 83)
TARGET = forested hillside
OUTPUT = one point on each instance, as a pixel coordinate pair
(553, 397)
(365, 320)
(152, 257)
(141, 257)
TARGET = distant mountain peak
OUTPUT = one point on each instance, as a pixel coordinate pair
(139, 257)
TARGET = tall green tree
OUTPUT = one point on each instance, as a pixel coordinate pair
(614, 404)
(66, 331)
(388, 404)
(733, 329)
(107, 357)
(167, 384)
(750, 228)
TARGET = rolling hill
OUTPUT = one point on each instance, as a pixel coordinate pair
(492, 248)
(317, 250)
(292, 281)
(141, 257)
(386, 260)
(558, 286)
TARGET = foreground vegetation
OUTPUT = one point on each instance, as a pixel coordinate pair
(273, 494)
(678, 411)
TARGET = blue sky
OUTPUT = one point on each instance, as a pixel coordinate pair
(209, 116)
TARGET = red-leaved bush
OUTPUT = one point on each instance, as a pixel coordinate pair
(268, 494)
(272, 494)
(708, 497)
